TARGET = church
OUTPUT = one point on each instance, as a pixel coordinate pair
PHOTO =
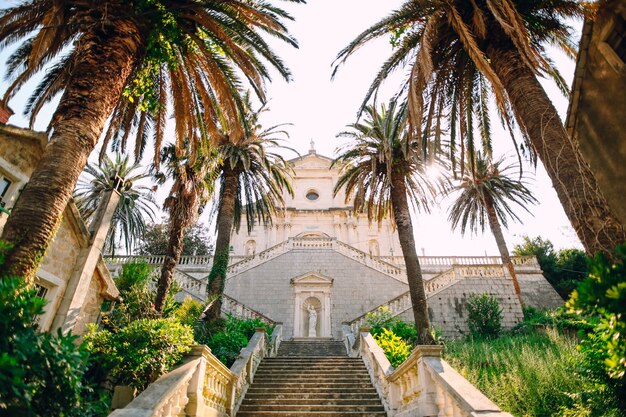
(319, 265)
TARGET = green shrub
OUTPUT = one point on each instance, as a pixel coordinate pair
(603, 294)
(382, 318)
(142, 351)
(484, 315)
(41, 374)
(395, 348)
(559, 318)
(227, 337)
(533, 374)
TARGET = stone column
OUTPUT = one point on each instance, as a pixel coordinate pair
(78, 285)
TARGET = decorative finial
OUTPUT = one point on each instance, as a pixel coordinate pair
(312, 150)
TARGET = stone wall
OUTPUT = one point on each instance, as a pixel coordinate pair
(355, 290)
(448, 311)
(596, 114)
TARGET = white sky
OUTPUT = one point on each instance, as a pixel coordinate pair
(319, 108)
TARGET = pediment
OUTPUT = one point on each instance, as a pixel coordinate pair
(312, 278)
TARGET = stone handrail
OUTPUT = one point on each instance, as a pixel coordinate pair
(401, 303)
(393, 261)
(424, 384)
(276, 340)
(202, 386)
(191, 284)
(246, 365)
(241, 311)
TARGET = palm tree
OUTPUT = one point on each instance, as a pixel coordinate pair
(136, 201)
(383, 172)
(486, 195)
(251, 181)
(460, 52)
(193, 184)
(127, 60)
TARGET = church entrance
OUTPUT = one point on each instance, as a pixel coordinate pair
(312, 306)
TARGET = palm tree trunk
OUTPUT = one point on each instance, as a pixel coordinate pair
(107, 58)
(225, 221)
(402, 217)
(596, 225)
(494, 224)
(174, 250)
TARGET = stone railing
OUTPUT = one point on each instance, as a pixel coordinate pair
(327, 243)
(191, 284)
(426, 261)
(248, 361)
(401, 303)
(203, 386)
(423, 385)
(241, 311)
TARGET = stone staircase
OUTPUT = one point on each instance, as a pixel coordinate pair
(312, 379)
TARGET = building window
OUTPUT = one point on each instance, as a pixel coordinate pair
(617, 37)
(5, 184)
(41, 291)
(312, 195)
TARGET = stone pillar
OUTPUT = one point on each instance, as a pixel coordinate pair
(78, 285)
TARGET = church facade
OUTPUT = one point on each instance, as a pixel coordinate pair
(318, 267)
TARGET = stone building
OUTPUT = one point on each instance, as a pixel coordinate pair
(317, 254)
(597, 107)
(73, 277)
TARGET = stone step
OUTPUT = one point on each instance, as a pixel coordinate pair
(311, 385)
(314, 359)
(256, 389)
(314, 368)
(319, 396)
(316, 381)
(335, 408)
(312, 348)
(296, 372)
(344, 402)
(310, 414)
(310, 374)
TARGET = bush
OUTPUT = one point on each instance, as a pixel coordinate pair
(139, 353)
(41, 374)
(382, 318)
(563, 269)
(534, 374)
(603, 294)
(559, 318)
(227, 337)
(484, 315)
(395, 348)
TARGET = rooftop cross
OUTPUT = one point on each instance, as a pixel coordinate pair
(312, 150)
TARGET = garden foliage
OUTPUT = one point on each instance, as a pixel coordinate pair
(533, 374)
(41, 374)
(484, 315)
(396, 349)
(564, 269)
(603, 295)
(141, 352)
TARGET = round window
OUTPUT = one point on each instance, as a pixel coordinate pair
(312, 195)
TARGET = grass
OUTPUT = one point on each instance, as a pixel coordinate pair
(531, 374)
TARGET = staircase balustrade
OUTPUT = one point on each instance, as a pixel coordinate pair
(402, 302)
(424, 384)
(203, 386)
(243, 312)
(388, 265)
